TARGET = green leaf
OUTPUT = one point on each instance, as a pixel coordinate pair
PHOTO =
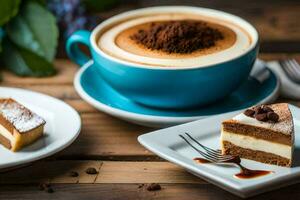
(1, 38)
(8, 9)
(35, 29)
(23, 62)
(41, 2)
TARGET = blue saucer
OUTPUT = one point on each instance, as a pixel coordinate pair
(98, 93)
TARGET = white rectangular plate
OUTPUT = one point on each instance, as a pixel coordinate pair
(167, 144)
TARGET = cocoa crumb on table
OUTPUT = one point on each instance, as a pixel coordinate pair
(49, 190)
(46, 187)
(91, 170)
(153, 187)
(73, 174)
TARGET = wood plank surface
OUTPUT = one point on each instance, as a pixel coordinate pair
(106, 136)
(65, 75)
(115, 191)
(51, 172)
(58, 171)
(180, 191)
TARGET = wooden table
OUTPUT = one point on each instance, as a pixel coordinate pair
(110, 145)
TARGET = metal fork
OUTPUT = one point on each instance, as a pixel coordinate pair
(210, 154)
(291, 68)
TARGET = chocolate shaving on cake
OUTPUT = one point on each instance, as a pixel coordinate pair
(182, 37)
(262, 113)
(273, 116)
(249, 112)
(261, 117)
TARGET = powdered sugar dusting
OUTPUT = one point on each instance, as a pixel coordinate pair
(20, 117)
(284, 125)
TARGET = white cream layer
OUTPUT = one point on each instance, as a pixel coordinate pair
(248, 142)
(5, 133)
(107, 43)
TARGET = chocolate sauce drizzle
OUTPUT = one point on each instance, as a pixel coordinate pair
(245, 173)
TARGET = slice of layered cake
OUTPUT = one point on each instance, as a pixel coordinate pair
(262, 133)
(18, 125)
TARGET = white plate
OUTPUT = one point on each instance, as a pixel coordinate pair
(62, 127)
(167, 144)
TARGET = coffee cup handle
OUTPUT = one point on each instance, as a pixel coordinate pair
(73, 50)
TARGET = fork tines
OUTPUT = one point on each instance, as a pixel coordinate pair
(208, 153)
(292, 69)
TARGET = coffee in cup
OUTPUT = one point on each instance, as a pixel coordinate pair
(174, 40)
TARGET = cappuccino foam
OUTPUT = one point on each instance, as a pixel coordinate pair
(116, 41)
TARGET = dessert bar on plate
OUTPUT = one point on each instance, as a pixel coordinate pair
(262, 133)
(18, 125)
(167, 144)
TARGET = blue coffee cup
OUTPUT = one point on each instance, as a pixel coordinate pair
(168, 87)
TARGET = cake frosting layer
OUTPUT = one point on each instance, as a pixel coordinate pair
(255, 144)
(278, 127)
(284, 124)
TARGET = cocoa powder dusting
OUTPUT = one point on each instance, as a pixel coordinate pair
(182, 37)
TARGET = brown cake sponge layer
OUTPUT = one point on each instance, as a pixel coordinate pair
(6, 124)
(230, 149)
(232, 126)
(5, 142)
